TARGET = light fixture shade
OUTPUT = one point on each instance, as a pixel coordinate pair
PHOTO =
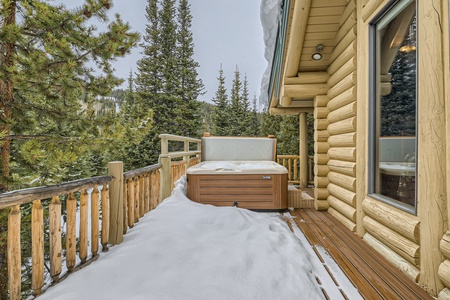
(317, 56)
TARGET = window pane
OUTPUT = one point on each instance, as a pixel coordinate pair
(395, 115)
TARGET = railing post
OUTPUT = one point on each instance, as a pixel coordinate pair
(14, 253)
(115, 169)
(186, 158)
(166, 178)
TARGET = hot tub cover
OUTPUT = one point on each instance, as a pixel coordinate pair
(237, 167)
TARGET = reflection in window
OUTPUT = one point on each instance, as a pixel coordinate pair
(394, 107)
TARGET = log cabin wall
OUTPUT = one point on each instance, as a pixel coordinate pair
(341, 116)
(417, 244)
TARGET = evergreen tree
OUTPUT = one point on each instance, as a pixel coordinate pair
(245, 122)
(220, 115)
(190, 87)
(44, 80)
(254, 120)
(236, 109)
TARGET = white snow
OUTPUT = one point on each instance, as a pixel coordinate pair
(187, 250)
(270, 15)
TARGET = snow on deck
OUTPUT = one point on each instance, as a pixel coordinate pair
(186, 250)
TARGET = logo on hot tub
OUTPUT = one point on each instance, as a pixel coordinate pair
(267, 177)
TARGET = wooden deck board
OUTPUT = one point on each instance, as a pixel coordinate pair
(374, 277)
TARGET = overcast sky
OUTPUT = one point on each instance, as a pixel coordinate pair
(226, 32)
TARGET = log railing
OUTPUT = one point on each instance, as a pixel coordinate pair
(116, 203)
(291, 162)
(171, 171)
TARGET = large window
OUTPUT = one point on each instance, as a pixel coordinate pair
(393, 146)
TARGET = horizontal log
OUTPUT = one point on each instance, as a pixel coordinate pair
(402, 222)
(444, 294)
(397, 243)
(171, 137)
(342, 167)
(321, 147)
(347, 67)
(370, 8)
(286, 101)
(44, 192)
(349, 9)
(141, 171)
(343, 140)
(399, 262)
(308, 77)
(343, 194)
(341, 127)
(341, 218)
(321, 113)
(342, 86)
(321, 159)
(321, 194)
(321, 170)
(321, 124)
(347, 182)
(290, 111)
(321, 101)
(345, 56)
(342, 113)
(321, 205)
(321, 182)
(343, 208)
(348, 25)
(321, 135)
(345, 153)
(343, 44)
(444, 272)
(304, 91)
(342, 99)
(445, 245)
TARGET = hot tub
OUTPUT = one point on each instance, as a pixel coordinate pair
(247, 184)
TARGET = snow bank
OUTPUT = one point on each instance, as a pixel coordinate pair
(270, 16)
(186, 250)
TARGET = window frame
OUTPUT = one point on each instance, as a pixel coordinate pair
(372, 115)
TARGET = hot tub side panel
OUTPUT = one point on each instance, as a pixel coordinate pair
(252, 191)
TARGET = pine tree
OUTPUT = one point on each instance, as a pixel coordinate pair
(236, 109)
(220, 115)
(254, 122)
(44, 80)
(245, 122)
(190, 87)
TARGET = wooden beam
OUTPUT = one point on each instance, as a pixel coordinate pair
(302, 103)
(304, 91)
(308, 77)
(296, 36)
(303, 151)
(290, 111)
(286, 101)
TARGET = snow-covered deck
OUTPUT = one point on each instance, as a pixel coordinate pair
(186, 250)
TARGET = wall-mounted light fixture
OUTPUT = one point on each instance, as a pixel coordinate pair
(318, 54)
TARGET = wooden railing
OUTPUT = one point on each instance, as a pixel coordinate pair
(117, 202)
(291, 162)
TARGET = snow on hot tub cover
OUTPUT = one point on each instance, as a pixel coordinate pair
(237, 167)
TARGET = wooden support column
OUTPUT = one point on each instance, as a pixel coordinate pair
(303, 151)
(431, 134)
(14, 254)
(115, 169)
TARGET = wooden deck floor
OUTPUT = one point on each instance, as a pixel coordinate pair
(373, 276)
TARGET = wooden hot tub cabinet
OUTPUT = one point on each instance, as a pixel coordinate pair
(252, 191)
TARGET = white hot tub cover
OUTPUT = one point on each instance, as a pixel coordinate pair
(237, 167)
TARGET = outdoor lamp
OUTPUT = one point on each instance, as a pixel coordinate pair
(318, 55)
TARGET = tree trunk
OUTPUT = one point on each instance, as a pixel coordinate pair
(6, 93)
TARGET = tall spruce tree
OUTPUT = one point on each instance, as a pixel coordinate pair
(254, 122)
(44, 78)
(236, 109)
(245, 109)
(190, 87)
(220, 115)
